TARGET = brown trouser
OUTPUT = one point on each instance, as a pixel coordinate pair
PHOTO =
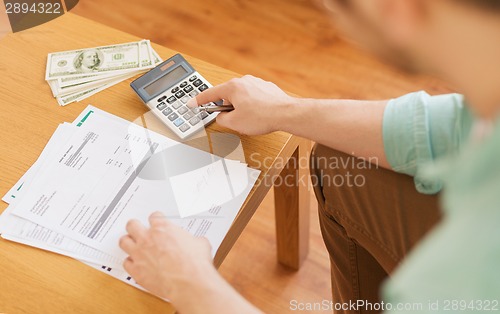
(370, 219)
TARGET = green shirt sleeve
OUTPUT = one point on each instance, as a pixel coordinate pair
(419, 128)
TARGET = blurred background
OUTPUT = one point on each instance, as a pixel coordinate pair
(293, 44)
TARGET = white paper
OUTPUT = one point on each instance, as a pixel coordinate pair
(61, 135)
(200, 190)
(26, 232)
(23, 231)
(146, 195)
(79, 194)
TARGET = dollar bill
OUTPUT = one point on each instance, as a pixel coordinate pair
(68, 84)
(107, 59)
(147, 59)
(147, 52)
(147, 49)
(78, 96)
(58, 91)
(66, 100)
(157, 58)
(53, 87)
(64, 82)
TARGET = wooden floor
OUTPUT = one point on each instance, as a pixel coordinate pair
(293, 44)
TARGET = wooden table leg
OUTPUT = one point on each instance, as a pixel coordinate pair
(291, 200)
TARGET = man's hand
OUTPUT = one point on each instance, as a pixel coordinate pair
(164, 258)
(257, 104)
(171, 263)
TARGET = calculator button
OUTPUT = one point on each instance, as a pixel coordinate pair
(171, 99)
(184, 99)
(180, 94)
(175, 90)
(184, 127)
(188, 88)
(162, 98)
(177, 105)
(197, 83)
(203, 114)
(194, 120)
(182, 110)
(161, 106)
(192, 78)
(188, 115)
(193, 93)
(167, 111)
(183, 84)
(195, 109)
(203, 87)
(178, 122)
(173, 116)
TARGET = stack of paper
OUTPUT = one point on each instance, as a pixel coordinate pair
(77, 74)
(100, 171)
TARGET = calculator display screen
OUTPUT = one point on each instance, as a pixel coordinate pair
(166, 81)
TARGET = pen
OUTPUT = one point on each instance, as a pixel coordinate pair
(213, 108)
(216, 106)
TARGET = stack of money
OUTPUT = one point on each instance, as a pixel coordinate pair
(77, 74)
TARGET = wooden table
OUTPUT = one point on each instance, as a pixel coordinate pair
(36, 281)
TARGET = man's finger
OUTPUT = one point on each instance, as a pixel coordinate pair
(157, 219)
(212, 94)
(127, 244)
(223, 119)
(128, 265)
(135, 229)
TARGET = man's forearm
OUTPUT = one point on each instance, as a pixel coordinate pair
(210, 293)
(350, 126)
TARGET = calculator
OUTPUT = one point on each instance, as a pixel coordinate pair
(167, 88)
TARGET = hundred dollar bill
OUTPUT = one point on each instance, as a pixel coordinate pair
(78, 96)
(53, 87)
(65, 100)
(148, 55)
(146, 49)
(99, 60)
(72, 87)
(147, 58)
(157, 58)
(71, 81)
(66, 90)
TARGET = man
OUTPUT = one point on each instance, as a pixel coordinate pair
(370, 230)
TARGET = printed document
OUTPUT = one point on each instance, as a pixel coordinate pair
(86, 191)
